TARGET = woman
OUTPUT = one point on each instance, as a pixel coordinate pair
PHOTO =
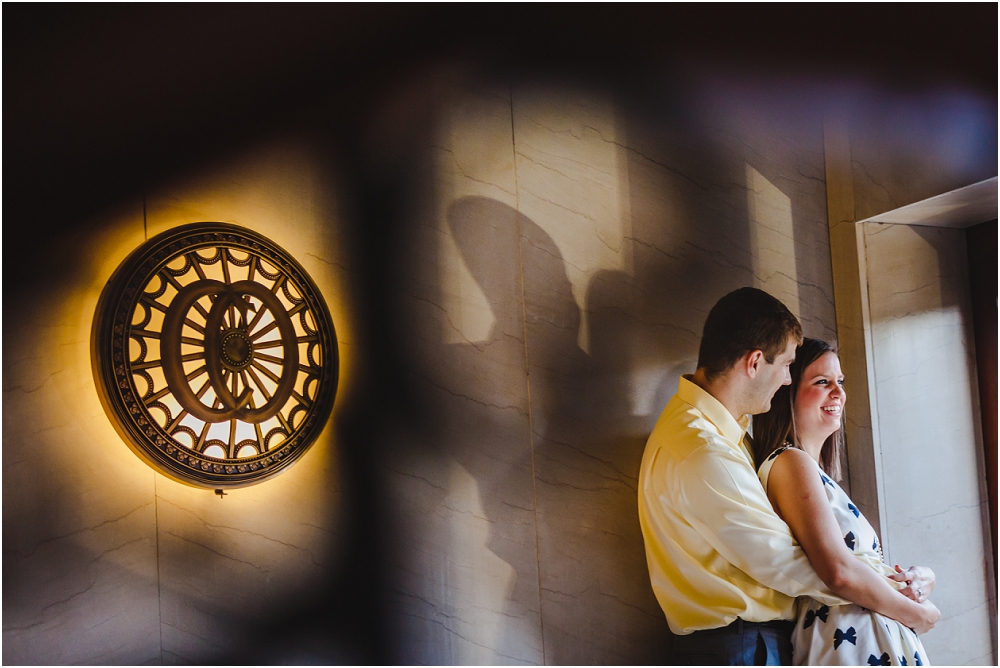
(797, 451)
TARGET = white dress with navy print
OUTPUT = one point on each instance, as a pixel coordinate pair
(849, 635)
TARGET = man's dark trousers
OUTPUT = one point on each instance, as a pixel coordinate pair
(739, 644)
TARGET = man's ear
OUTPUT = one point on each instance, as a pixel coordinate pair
(753, 362)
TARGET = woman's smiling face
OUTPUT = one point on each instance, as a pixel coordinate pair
(819, 401)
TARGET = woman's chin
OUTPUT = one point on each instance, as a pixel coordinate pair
(822, 430)
(830, 425)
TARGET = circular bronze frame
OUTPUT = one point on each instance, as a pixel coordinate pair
(217, 302)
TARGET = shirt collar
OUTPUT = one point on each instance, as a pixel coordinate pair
(732, 429)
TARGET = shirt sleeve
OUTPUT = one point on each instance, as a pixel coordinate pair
(725, 503)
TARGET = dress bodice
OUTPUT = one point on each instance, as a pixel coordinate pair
(858, 533)
(849, 635)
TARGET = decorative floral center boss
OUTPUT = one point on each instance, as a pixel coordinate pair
(215, 355)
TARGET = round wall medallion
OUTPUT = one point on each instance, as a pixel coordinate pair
(214, 355)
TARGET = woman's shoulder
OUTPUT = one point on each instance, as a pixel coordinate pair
(786, 461)
(787, 453)
(791, 458)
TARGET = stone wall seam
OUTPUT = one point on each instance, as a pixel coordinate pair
(527, 378)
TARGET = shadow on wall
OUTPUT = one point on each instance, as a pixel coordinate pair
(520, 493)
(513, 442)
(465, 563)
(596, 599)
(556, 256)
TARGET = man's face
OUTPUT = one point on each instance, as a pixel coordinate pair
(770, 377)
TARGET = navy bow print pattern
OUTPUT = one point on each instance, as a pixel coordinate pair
(849, 539)
(902, 661)
(916, 659)
(840, 636)
(776, 453)
(880, 661)
(854, 509)
(826, 481)
(812, 615)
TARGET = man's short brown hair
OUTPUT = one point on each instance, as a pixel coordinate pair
(745, 320)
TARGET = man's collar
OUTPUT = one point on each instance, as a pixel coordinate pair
(713, 409)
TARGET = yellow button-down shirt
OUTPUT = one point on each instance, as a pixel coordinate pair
(715, 548)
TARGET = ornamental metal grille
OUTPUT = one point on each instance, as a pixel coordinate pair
(214, 355)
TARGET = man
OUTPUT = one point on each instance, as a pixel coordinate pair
(723, 565)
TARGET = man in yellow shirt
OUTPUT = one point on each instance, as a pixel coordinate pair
(723, 566)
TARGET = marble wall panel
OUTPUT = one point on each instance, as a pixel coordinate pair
(786, 152)
(79, 549)
(736, 198)
(229, 566)
(931, 448)
(464, 575)
(575, 239)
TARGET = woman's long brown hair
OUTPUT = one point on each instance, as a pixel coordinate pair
(776, 427)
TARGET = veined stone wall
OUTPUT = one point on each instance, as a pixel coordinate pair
(929, 428)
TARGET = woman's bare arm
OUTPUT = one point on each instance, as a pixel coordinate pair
(798, 496)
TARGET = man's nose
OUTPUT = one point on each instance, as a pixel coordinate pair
(788, 378)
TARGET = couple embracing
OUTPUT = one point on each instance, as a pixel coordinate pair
(755, 554)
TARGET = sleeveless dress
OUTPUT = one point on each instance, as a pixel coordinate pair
(849, 635)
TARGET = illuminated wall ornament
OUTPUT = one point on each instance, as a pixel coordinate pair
(214, 355)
